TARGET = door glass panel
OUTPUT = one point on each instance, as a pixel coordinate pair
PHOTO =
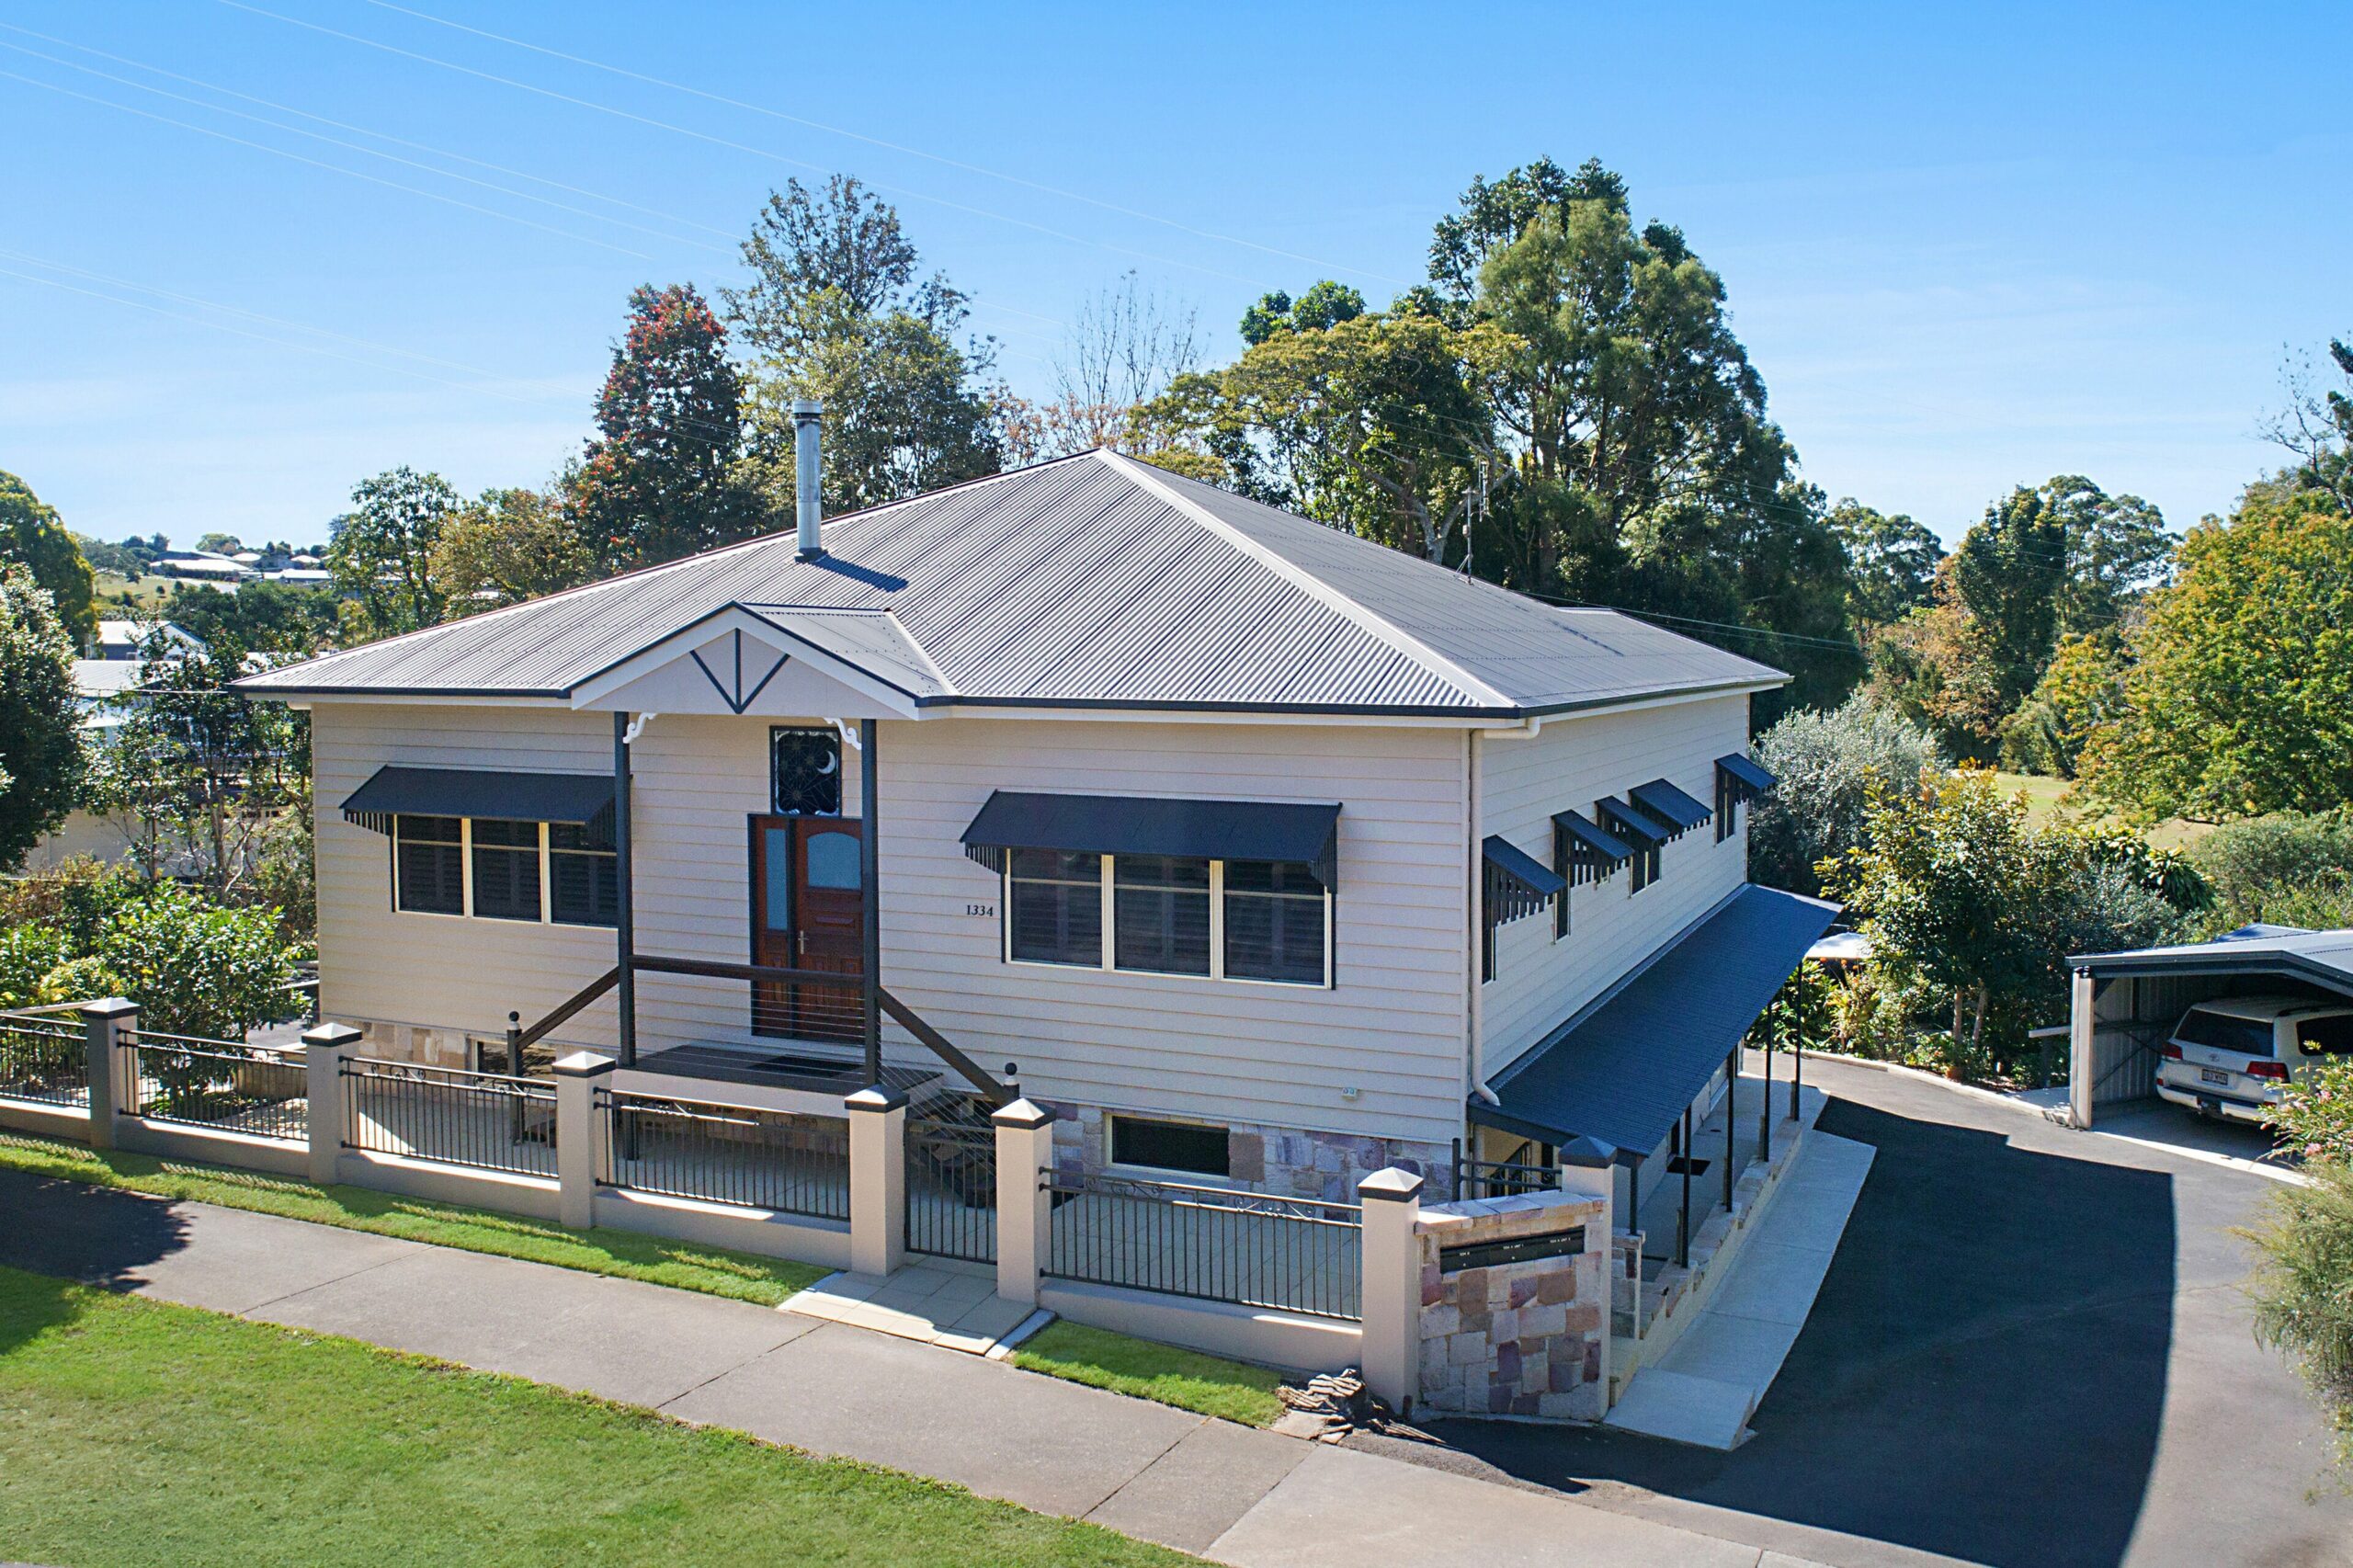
(832, 861)
(776, 856)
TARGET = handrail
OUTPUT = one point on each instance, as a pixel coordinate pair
(938, 1044)
(565, 1014)
(996, 1093)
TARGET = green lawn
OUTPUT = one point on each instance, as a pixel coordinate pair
(2043, 803)
(1208, 1385)
(712, 1270)
(137, 1433)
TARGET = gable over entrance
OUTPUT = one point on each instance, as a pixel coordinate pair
(775, 662)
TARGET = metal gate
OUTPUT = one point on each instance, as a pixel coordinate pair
(951, 1185)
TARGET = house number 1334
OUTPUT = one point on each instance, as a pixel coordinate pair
(986, 909)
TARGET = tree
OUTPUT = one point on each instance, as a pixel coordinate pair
(2301, 1306)
(203, 764)
(218, 544)
(1372, 423)
(1124, 347)
(1892, 562)
(196, 968)
(2317, 426)
(2081, 688)
(2240, 697)
(382, 551)
(659, 482)
(1827, 763)
(32, 535)
(41, 744)
(833, 312)
(509, 546)
(266, 618)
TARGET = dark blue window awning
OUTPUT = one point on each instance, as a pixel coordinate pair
(1637, 827)
(1590, 853)
(1664, 802)
(1616, 1076)
(586, 799)
(1742, 778)
(1143, 824)
(1516, 884)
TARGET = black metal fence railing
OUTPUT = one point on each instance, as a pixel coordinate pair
(755, 1159)
(1297, 1255)
(43, 1059)
(1502, 1178)
(220, 1084)
(485, 1120)
(951, 1187)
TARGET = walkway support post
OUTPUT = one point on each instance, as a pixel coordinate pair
(1731, 1112)
(580, 1155)
(2083, 1003)
(1765, 1112)
(324, 1049)
(625, 916)
(1392, 1201)
(878, 1178)
(1025, 1198)
(104, 1024)
(1683, 1220)
(869, 876)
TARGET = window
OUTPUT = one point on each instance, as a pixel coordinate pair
(507, 870)
(1159, 907)
(429, 864)
(1259, 920)
(1183, 1146)
(1274, 922)
(2224, 1031)
(584, 877)
(805, 772)
(1055, 907)
(500, 869)
(2330, 1036)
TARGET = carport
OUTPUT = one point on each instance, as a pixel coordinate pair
(2124, 1004)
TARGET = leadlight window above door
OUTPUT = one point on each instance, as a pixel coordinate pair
(805, 772)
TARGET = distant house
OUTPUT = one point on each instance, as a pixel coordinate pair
(124, 641)
(299, 577)
(205, 568)
(1271, 856)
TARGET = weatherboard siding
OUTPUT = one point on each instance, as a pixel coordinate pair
(1568, 765)
(1392, 1028)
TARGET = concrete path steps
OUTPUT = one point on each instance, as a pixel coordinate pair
(1229, 1493)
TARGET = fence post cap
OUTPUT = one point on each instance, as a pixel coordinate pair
(332, 1036)
(584, 1064)
(875, 1096)
(109, 1007)
(1025, 1114)
(1390, 1186)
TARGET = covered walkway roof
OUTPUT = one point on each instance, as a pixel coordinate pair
(1609, 1083)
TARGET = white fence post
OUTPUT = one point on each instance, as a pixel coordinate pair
(1025, 1154)
(324, 1049)
(878, 1178)
(1393, 1286)
(104, 1024)
(579, 1136)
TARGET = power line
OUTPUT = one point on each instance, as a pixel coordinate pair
(594, 106)
(892, 146)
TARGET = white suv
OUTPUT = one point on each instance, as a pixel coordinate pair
(2232, 1058)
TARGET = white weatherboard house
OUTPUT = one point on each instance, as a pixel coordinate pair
(1262, 855)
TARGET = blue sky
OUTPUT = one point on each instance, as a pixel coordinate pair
(1967, 246)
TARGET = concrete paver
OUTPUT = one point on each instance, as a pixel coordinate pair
(637, 1343)
(1196, 1492)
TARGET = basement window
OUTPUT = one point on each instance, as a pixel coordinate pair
(1188, 1147)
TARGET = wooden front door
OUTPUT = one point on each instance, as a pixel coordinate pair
(808, 913)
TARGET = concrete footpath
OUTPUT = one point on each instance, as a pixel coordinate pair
(1228, 1493)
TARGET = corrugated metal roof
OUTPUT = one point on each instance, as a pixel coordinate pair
(2324, 957)
(1093, 580)
(1619, 1075)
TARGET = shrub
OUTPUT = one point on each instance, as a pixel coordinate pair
(2303, 1305)
(27, 954)
(194, 969)
(2251, 864)
(1827, 763)
(2315, 1115)
(77, 980)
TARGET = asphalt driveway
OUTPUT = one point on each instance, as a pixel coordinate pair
(2031, 1351)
